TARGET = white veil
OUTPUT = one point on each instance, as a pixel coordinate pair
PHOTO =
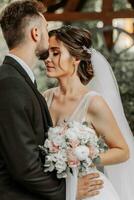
(104, 82)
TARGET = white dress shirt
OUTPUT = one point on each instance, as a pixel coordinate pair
(24, 66)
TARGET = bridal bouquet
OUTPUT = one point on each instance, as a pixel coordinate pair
(69, 146)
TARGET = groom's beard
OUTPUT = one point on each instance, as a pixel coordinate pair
(42, 55)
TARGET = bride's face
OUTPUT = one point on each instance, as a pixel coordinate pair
(59, 63)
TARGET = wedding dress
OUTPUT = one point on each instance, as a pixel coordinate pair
(80, 113)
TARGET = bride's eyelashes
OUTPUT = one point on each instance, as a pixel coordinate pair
(56, 53)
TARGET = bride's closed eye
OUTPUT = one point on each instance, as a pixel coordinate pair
(56, 53)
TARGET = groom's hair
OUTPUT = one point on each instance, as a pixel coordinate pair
(15, 18)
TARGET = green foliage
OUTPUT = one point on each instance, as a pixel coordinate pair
(124, 72)
(121, 4)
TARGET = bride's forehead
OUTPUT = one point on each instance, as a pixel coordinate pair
(55, 43)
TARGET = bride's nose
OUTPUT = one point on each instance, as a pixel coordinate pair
(50, 57)
(48, 60)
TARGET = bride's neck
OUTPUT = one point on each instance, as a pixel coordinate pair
(71, 86)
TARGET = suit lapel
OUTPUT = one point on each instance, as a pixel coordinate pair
(47, 121)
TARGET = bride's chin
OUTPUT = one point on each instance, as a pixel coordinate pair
(50, 75)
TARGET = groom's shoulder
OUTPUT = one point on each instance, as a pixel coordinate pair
(11, 85)
(14, 93)
(9, 75)
(7, 71)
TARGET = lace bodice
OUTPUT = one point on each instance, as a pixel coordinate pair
(80, 113)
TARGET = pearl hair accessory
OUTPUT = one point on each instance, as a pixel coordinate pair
(88, 50)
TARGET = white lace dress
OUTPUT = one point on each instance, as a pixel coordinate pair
(108, 192)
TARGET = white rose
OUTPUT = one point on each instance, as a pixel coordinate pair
(58, 140)
(81, 152)
(71, 134)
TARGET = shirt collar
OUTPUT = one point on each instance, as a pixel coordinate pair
(24, 66)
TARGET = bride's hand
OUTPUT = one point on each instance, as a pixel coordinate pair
(88, 186)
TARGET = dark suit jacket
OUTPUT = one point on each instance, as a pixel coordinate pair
(24, 121)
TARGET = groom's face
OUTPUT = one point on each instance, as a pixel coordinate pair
(42, 46)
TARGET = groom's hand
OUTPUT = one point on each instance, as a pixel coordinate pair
(88, 186)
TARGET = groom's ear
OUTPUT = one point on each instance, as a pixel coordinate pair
(35, 34)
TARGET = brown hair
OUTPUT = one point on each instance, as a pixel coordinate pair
(15, 17)
(75, 39)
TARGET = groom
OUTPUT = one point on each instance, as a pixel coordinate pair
(24, 116)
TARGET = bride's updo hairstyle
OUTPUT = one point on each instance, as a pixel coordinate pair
(78, 42)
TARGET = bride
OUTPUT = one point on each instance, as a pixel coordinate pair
(70, 62)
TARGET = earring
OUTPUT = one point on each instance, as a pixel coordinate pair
(74, 69)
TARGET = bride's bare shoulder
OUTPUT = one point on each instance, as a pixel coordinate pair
(47, 92)
(97, 104)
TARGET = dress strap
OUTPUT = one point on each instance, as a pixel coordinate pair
(48, 94)
(91, 94)
(81, 111)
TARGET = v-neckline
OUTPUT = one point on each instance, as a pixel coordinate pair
(69, 117)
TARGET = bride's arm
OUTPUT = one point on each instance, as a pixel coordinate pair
(105, 125)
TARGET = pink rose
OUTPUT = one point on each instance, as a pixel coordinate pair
(72, 160)
(54, 148)
(74, 143)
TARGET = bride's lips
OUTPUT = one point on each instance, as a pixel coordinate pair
(50, 68)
